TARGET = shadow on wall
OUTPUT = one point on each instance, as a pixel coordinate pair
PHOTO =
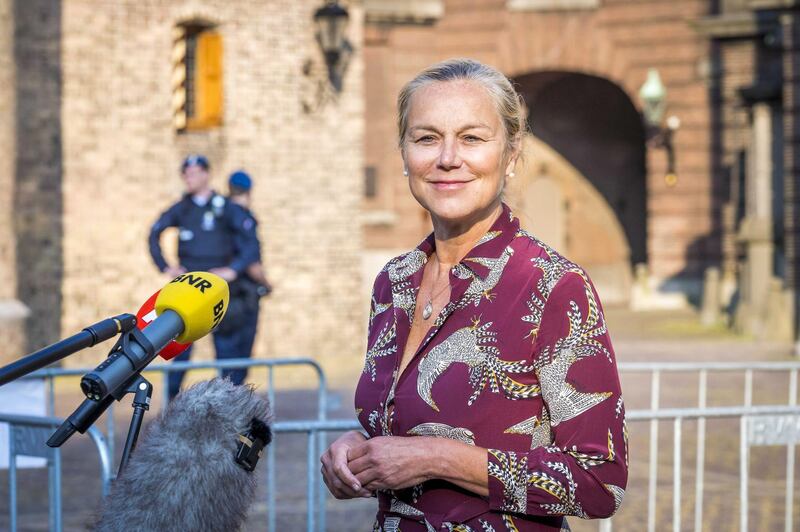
(583, 188)
(38, 201)
(595, 126)
(560, 207)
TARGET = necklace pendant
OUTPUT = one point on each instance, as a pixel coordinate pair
(428, 310)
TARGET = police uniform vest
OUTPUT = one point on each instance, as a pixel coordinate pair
(204, 234)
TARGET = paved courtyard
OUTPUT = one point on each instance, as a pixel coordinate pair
(651, 336)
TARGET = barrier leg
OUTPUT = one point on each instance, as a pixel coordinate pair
(54, 490)
(271, 517)
(743, 468)
(12, 479)
(310, 468)
(271, 510)
(321, 488)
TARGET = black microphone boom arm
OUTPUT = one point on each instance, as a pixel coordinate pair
(91, 335)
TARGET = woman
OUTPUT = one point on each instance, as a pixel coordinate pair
(490, 391)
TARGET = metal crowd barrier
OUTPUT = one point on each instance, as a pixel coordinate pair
(746, 412)
(51, 374)
(314, 491)
(27, 435)
(747, 416)
(752, 432)
(701, 413)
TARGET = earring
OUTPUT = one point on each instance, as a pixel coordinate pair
(405, 172)
(510, 174)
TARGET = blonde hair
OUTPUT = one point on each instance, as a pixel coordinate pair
(507, 102)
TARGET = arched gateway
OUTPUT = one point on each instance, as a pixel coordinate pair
(582, 188)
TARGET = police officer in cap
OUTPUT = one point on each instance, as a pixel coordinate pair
(241, 320)
(240, 186)
(214, 235)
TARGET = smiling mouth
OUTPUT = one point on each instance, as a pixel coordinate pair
(448, 184)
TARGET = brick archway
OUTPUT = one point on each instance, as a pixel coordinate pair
(567, 42)
(593, 124)
(559, 205)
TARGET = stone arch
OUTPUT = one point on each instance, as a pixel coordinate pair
(556, 203)
(590, 134)
(197, 14)
(594, 125)
(568, 44)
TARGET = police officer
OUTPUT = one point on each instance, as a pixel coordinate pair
(240, 186)
(214, 235)
(249, 287)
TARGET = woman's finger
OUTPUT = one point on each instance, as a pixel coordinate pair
(337, 488)
(347, 491)
(329, 484)
(361, 464)
(369, 476)
(329, 475)
(345, 476)
(357, 451)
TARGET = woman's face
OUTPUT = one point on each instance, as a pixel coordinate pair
(454, 151)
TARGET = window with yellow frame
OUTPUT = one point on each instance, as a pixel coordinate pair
(197, 77)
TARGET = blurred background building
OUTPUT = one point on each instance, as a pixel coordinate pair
(663, 148)
(102, 100)
(663, 154)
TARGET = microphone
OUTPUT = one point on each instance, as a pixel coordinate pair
(188, 308)
(145, 316)
(184, 474)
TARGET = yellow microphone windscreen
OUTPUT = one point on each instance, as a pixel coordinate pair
(199, 298)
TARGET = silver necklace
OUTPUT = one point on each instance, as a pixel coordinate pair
(427, 311)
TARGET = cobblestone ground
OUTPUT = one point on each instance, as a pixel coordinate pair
(653, 336)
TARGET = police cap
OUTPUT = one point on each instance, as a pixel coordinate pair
(240, 180)
(195, 160)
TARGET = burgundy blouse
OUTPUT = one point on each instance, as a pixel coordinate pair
(519, 362)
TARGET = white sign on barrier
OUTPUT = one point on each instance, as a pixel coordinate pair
(25, 397)
(773, 430)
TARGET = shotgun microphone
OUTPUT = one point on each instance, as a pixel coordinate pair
(193, 468)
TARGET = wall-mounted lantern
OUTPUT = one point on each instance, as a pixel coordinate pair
(653, 95)
(331, 22)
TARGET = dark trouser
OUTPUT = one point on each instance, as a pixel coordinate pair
(235, 344)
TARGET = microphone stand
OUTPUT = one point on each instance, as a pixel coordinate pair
(142, 390)
(88, 412)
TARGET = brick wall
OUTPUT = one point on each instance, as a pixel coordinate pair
(12, 312)
(791, 135)
(8, 288)
(619, 41)
(121, 158)
(735, 69)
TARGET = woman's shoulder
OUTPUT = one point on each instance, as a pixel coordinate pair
(554, 265)
(532, 247)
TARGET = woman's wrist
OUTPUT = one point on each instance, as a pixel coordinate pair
(459, 463)
(434, 452)
(442, 457)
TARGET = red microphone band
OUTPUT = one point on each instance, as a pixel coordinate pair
(145, 315)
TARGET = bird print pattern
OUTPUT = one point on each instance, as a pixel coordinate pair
(518, 364)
